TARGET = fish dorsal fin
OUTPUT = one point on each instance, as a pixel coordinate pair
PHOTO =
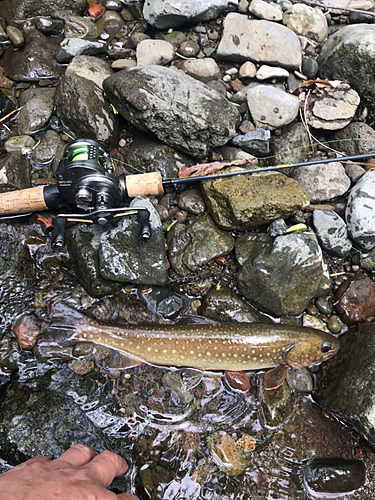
(275, 378)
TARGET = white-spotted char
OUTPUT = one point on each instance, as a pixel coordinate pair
(219, 346)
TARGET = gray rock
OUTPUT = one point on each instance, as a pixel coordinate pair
(346, 384)
(355, 139)
(291, 146)
(247, 201)
(225, 305)
(332, 232)
(335, 110)
(204, 70)
(260, 42)
(348, 55)
(150, 155)
(123, 258)
(17, 10)
(81, 27)
(267, 11)
(310, 67)
(19, 143)
(179, 110)
(49, 150)
(189, 48)
(35, 114)
(120, 64)
(323, 182)
(266, 264)
(49, 26)
(72, 47)
(360, 211)
(270, 107)
(6, 105)
(306, 21)
(172, 13)
(83, 243)
(89, 113)
(266, 72)
(31, 93)
(353, 171)
(15, 172)
(192, 246)
(154, 52)
(35, 61)
(255, 142)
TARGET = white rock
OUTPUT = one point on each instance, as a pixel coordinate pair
(306, 21)
(360, 211)
(172, 13)
(202, 69)
(248, 70)
(259, 41)
(157, 52)
(271, 107)
(267, 11)
(265, 72)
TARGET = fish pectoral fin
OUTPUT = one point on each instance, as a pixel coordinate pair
(275, 378)
(120, 361)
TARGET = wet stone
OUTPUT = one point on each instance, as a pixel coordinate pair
(34, 61)
(355, 300)
(49, 26)
(189, 48)
(323, 305)
(35, 114)
(192, 246)
(27, 331)
(21, 9)
(81, 27)
(19, 143)
(192, 202)
(238, 380)
(264, 264)
(300, 379)
(71, 47)
(6, 105)
(228, 457)
(276, 406)
(333, 476)
(334, 324)
(225, 305)
(14, 171)
(15, 36)
(124, 258)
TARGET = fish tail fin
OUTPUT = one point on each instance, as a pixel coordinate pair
(60, 327)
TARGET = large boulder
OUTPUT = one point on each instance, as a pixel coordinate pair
(172, 13)
(346, 383)
(89, 114)
(181, 111)
(348, 55)
(260, 42)
(16, 10)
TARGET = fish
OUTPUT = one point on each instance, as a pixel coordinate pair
(216, 346)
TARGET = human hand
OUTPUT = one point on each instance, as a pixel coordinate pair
(78, 474)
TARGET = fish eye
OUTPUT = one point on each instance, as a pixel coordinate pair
(326, 347)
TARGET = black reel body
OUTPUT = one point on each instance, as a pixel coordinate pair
(86, 180)
(85, 177)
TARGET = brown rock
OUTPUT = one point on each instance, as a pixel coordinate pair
(356, 300)
(27, 331)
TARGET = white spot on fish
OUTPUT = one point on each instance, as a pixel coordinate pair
(148, 349)
(223, 354)
(208, 353)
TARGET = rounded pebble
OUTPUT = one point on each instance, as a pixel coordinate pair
(323, 305)
(238, 380)
(334, 324)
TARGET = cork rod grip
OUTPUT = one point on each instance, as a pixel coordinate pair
(144, 184)
(22, 201)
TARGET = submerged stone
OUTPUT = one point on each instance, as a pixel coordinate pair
(226, 454)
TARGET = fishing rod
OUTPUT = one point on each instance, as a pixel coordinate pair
(85, 181)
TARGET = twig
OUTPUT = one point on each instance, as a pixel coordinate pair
(10, 114)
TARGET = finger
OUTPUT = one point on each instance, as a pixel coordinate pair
(106, 466)
(77, 455)
(127, 496)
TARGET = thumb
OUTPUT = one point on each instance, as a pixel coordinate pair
(127, 496)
